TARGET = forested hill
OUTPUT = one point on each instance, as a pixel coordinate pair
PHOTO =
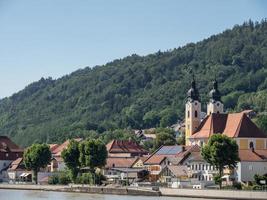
(141, 91)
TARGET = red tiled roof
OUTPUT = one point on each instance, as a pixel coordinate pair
(155, 159)
(125, 146)
(57, 151)
(232, 125)
(120, 162)
(7, 145)
(53, 147)
(249, 155)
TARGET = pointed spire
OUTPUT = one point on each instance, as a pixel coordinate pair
(215, 94)
(192, 93)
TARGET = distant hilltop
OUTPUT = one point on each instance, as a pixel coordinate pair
(141, 91)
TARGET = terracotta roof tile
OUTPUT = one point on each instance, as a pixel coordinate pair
(253, 156)
(155, 159)
(57, 151)
(125, 146)
(232, 125)
(120, 162)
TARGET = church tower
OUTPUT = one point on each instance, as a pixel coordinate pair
(192, 111)
(215, 105)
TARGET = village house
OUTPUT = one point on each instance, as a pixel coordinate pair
(9, 152)
(17, 172)
(125, 148)
(174, 175)
(158, 160)
(118, 169)
(251, 162)
(57, 162)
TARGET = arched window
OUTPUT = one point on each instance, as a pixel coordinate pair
(195, 113)
(218, 112)
(188, 114)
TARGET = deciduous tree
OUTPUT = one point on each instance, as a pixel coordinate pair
(221, 151)
(35, 157)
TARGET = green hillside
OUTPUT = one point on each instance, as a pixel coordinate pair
(141, 91)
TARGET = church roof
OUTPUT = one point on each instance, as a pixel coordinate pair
(232, 125)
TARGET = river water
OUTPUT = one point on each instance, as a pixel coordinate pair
(41, 195)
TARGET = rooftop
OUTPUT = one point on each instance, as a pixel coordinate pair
(232, 125)
(125, 146)
(7, 145)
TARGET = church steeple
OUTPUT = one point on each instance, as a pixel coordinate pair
(192, 111)
(192, 94)
(215, 94)
(215, 104)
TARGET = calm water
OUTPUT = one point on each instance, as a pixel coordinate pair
(38, 195)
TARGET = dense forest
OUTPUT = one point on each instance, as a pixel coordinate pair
(141, 91)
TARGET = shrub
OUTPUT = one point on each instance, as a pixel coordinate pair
(61, 178)
(85, 178)
(64, 179)
(237, 186)
(53, 180)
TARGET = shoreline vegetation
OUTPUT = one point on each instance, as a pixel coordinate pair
(208, 194)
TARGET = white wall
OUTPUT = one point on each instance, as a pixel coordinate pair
(247, 170)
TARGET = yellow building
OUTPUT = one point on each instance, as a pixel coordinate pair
(235, 125)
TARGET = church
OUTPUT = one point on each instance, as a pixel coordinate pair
(234, 125)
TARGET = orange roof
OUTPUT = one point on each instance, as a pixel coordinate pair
(155, 159)
(231, 125)
(125, 146)
(57, 150)
(120, 162)
(253, 156)
(53, 147)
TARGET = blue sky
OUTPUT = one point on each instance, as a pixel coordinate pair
(42, 38)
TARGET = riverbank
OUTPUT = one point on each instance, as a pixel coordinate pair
(192, 193)
(84, 189)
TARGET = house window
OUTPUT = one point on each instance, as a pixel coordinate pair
(192, 167)
(206, 167)
(195, 113)
(199, 166)
(203, 167)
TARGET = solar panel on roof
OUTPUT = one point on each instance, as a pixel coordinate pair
(169, 150)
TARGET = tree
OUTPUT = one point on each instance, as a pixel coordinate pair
(220, 151)
(261, 122)
(93, 153)
(164, 136)
(35, 157)
(71, 156)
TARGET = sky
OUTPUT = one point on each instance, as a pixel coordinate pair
(52, 38)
